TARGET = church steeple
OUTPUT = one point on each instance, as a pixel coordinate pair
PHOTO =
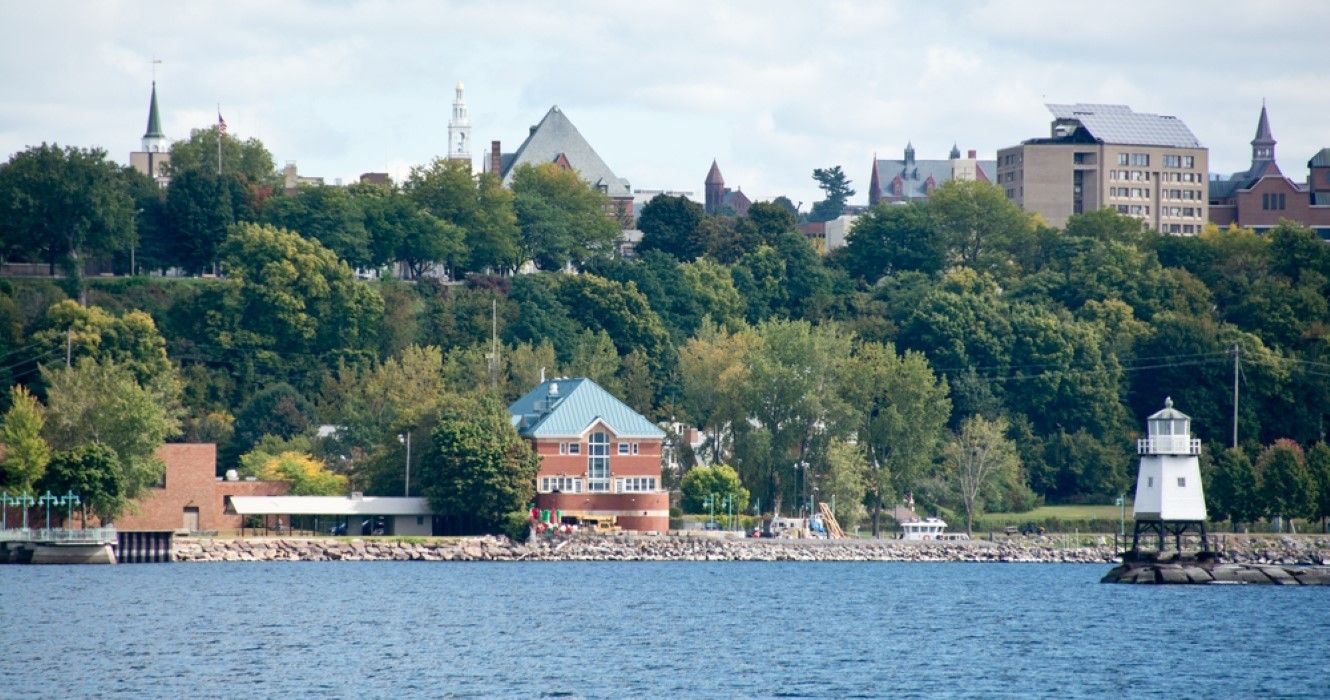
(154, 140)
(459, 129)
(909, 153)
(955, 151)
(714, 187)
(1263, 146)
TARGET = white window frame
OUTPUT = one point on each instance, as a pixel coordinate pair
(623, 448)
(574, 448)
(563, 448)
(636, 448)
(598, 462)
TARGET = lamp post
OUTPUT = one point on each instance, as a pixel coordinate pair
(4, 510)
(24, 501)
(47, 499)
(69, 500)
(406, 490)
(1122, 515)
(725, 503)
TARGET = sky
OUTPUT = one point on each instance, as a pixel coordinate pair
(770, 89)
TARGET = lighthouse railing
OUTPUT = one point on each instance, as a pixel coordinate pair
(1168, 445)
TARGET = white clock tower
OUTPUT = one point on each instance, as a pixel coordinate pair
(459, 130)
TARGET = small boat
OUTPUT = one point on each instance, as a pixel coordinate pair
(929, 529)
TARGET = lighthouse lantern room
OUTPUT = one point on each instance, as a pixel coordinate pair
(1169, 496)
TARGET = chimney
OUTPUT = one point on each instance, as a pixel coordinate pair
(496, 158)
(972, 154)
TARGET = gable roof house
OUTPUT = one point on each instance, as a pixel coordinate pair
(598, 457)
(1260, 196)
(912, 180)
(555, 140)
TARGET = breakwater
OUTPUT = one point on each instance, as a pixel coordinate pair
(702, 548)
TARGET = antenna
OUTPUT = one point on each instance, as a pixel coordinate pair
(155, 62)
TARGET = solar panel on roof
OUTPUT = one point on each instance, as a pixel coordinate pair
(1119, 124)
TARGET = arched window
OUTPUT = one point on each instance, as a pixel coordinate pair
(598, 462)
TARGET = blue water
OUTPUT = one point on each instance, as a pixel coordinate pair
(649, 630)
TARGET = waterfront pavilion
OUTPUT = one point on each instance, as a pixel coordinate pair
(350, 515)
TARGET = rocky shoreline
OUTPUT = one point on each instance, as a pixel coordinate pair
(684, 548)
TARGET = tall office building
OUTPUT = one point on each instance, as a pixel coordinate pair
(1149, 166)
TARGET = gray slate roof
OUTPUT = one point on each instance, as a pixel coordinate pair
(555, 135)
(1119, 124)
(916, 175)
(567, 407)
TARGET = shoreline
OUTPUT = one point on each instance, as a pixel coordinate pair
(675, 548)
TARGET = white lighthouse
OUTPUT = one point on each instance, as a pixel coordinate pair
(1169, 497)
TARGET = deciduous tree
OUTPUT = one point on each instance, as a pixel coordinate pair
(978, 459)
(25, 452)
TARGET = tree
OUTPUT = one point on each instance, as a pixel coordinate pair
(307, 475)
(25, 452)
(669, 224)
(716, 482)
(563, 220)
(200, 209)
(1318, 462)
(249, 159)
(980, 225)
(595, 356)
(1232, 493)
(330, 215)
(478, 469)
(846, 482)
(1287, 486)
(978, 459)
(890, 239)
(713, 374)
(278, 410)
(836, 190)
(475, 227)
(131, 340)
(101, 403)
(904, 420)
(287, 294)
(93, 472)
(62, 205)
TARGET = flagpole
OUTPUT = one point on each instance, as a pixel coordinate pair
(219, 139)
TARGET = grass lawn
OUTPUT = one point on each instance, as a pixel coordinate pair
(1076, 512)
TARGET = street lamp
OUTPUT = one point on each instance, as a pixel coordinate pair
(69, 500)
(406, 490)
(47, 499)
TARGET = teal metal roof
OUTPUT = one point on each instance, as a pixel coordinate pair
(567, 407)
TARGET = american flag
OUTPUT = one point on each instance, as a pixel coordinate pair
(221, 123)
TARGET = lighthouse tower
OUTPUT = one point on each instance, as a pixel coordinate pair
(1169, 498)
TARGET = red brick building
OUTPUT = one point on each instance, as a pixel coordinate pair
(1259, 197)
(192, 497)
(598, 457)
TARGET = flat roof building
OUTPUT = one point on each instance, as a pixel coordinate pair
(1148, 166)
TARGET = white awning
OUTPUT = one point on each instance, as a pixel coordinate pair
(329, 505)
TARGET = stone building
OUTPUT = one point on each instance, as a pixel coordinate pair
(910, 180)
(555, 140)
(721, 199)
(1260, 196)
(1148, 166)
(598, 457)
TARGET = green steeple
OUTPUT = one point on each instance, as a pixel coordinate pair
(154, 122)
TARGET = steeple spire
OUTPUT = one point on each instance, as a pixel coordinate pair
(459, 127)
(955, 151)
(153, 138)
(1263, 146)
(909, 153)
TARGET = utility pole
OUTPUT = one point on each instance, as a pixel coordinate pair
(494, 345)
(69, 347)
(1235, 395)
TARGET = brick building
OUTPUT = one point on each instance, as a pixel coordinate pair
(721, 199)
(912, 180)
(1260, 196)
(191, 496)
(598, 457)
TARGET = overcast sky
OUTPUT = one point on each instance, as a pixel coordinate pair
(770, 89)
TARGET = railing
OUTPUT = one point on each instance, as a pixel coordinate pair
(1168, 445)
(99, 535)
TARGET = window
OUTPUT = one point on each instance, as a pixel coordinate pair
(637, 484)
(562, 484)
(623, 448)
(1281, 201)
(1149, 482)
(1189, 161)
(598, 462)
(1140, 159)
(1172, 161)
(563, 448)
(1182, 482)
(636, 447)
(1122, 159)
(574, 448)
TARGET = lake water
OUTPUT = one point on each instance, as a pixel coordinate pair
(649, 630)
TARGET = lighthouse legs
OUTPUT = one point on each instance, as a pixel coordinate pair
(1162, 529)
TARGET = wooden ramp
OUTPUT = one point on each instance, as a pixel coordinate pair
(829, 522)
